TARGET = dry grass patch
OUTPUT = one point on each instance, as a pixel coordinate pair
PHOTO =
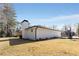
(55, 47)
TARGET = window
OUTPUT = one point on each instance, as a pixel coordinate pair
(31, 30)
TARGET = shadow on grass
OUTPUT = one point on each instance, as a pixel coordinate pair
(21, 41)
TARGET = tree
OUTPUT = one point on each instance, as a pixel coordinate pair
(67, 31)
(78, 29)
(9, 13)
(64, 31)
(1, 29)
(54, 27)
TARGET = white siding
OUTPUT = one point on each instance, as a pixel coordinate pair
(25, 25)
(28, 34)
(57, 34)
(24, 32)
(41, 33)
(46, 33)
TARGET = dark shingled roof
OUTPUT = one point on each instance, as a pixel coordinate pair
(38, 26)
(24, 21)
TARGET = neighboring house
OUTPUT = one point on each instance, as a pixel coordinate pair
(38, 32)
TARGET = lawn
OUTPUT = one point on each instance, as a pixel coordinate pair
(52, 47)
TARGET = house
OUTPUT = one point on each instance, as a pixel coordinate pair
(38, 32)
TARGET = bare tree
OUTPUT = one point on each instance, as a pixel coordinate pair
(54, 27)
(9, 13)
(77, 29)
(68, 31)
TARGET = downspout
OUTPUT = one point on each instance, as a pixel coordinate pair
(36, 33)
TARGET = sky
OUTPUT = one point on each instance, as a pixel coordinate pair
(48, 14)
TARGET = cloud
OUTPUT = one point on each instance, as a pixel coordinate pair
(67, 19)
